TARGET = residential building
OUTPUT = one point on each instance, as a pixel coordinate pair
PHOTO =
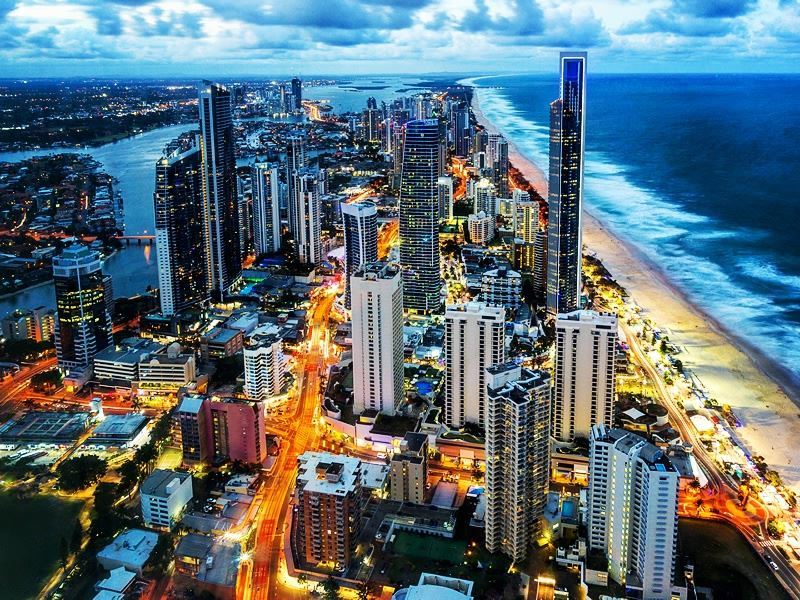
(296, 161)
(266, 207)
(583, 392)
(462, 131)
(409, 469)
(193, 423)
(436, 587)
(377, 307)
(525, 216)
(633, 510)
(180, 228)
(84, 305)
(484, 198)
(481, 228)
(502, 287)
(220, 198)
(517, 457)
(36, 324)
(328, 499)
(164, 496)
(306, 218)
(444, 186)
(360, 221)
(419, 216)
(264, 367)
(474, 341)
(237, 431)
(565, 190)
(497, 152)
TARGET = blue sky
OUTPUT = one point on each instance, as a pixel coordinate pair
(312, 37)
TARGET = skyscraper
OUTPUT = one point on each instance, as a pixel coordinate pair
(360, 239)
(525, 214)
(180, 230)
(297, 93)
(419, 216)
(84, 305)
(266, 207)
(633, 504)
(583, 394)
(306, 218)
(517, 457)
(498, 156)
(461, 131)
(295, 163)
(565, 197)
(377, 301)
(221, 210)
(485, 198)
(474, 341)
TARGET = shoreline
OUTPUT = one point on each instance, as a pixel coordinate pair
(763, 394)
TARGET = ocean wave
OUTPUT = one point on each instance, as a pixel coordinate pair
(769, 273)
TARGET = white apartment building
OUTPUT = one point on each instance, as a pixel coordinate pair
(164, 495)
(517, 457)
(502, 287)
(481, 228)
(485, 198)
(376, 292)
(525, 216)
(474, 341)
(409, 469)
(633, 519)
(306, 219)
(264, 366)
(583, 393)
(444, 185)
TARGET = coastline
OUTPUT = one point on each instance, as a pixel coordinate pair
(763, 394)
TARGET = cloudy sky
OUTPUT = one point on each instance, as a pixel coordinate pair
(316, 37)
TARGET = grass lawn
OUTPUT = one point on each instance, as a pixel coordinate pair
(430, 548)
(725, 562)
(30, 540)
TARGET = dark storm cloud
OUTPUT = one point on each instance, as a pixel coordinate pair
(527, 19)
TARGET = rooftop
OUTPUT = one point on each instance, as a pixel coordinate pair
(132, 546)
(191, 404)
(325, 473)
(160, 482)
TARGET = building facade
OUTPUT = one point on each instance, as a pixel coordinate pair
(164, 495)
(377, 307)
(306, 218)
(180, 230)
(517, 457)
(474, 341)
(409, 469)
(583, 393)
(266, 207)
(84, 305)
(565, 195)
(502, 287)
(419, 216)
(360, 220)
(327, 520)
(264, 367)
(633, 510)
(481, 228)
(220, 199)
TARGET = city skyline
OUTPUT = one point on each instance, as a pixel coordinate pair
(158, 37)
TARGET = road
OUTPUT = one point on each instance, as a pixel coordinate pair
(302, 435)
(13, 386)
(752, 521)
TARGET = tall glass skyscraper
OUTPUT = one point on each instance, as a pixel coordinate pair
(84, 305)
(180, 231)
(220, 200)
(419, 216)
(565, 196)
(360, 239)
(297, 93)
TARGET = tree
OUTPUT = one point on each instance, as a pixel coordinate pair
(77, 537)
(80, 472)
(302, 579)
(46, 381)
(161, 556)
(678, 365)
(330, 589)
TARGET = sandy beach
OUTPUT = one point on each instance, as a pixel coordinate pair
(759, 391)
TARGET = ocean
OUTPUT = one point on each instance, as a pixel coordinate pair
(700, 172)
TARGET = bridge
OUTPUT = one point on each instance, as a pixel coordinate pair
(139, 240)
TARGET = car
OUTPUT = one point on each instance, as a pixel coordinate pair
(773, 565)
(381, 455)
